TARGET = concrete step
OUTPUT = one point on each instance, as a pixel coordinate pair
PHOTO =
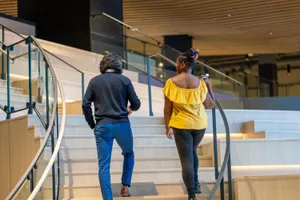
(170, 175)
(3, 82)
(139, 140)
(78, 120)
(91, 164)
(15, 97)
(138, 190)
(160, 197)
(271, 125)
(140, 151)
(136, 130)
(282, 134)
(12, 89)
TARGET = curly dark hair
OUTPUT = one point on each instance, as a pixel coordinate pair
(111, 61)
(189, 57)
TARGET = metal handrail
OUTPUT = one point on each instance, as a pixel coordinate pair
(47, 135)
(226, 160)
(137, 30)
(61, 131)
(65, 62)
(163, 57)
(55, 56)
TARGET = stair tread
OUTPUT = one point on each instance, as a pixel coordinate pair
(136, 158)
(116, 147)
(167, 197)
(134, 136)
(87, 172)
(15, 88)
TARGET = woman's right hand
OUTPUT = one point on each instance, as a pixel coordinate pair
(169, 133)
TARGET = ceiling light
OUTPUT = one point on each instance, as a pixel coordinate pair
(229, 15)
(160, 64)
(271, 33)
(161, 76)
(250, 54)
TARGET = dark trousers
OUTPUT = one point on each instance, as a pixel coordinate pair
(105, 135)
(187, 142)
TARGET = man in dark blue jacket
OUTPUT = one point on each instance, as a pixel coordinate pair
(110, 93)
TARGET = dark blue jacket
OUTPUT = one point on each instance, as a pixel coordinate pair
(110, 93)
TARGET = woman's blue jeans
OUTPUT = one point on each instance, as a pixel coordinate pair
(105, 135)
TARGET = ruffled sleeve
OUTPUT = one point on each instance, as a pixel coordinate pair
(203, 90)
(185, 96)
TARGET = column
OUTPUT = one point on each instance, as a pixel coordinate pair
(178, 42)
(78, 24)
(267, 70)
(106, 34)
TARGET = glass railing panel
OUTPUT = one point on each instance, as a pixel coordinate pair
(135, 54)
(8, 37)
(19, 74)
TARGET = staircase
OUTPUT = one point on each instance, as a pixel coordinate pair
(157, 168)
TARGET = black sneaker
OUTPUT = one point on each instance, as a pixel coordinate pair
(198, 188)
(192, 198)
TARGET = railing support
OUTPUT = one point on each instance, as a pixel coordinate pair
(230, 188)
(47, 96)
(53, 166)
(39, 75)
(149, 87)
(216, 157)
(2, 56)
(82, 85)
(8, 83)
(31, 181)
(29, 76)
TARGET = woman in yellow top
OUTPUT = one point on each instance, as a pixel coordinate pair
(186, 98)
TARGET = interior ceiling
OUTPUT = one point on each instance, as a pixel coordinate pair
(9, 7)
(221, 27)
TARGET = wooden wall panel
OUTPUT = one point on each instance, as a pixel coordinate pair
(25, 86)
(18, 146)
(72, 108)
(284, 187)
(4, 157)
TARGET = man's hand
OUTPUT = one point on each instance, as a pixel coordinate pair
(129, 111)
(93, 130)
(170, 133)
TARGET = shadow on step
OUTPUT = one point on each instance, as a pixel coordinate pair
(152, 189)
(137, 189)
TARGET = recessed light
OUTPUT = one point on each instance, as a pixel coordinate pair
(161, 76)
(271, 33)
(161, 64)
(229, 15)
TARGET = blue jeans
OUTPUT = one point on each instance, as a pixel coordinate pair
(105, 135)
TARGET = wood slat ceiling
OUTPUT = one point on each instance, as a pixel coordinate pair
(9, 7)
(221, 27)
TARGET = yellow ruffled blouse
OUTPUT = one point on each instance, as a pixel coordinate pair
(188, 109)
